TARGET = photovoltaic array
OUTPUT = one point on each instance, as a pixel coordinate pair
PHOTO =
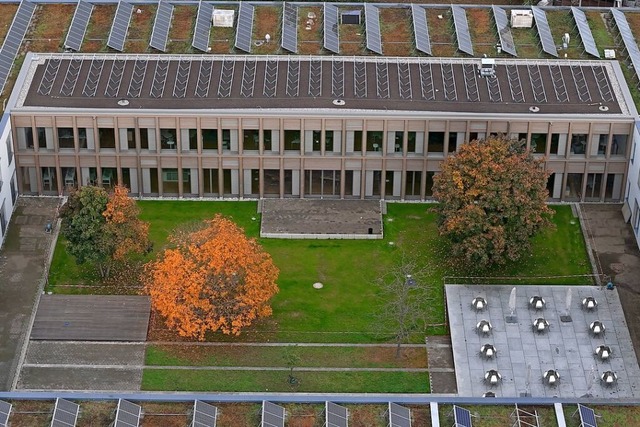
(161, 26)
(331, 35)
(462, 417)
(65, 413)
(244, 29)
(462, 29)
(204, 414)
(290, 27)
(13, 39)
(544, 32)
(203, 26)
(504, 31)
(120, 26)
(336, 415)
(372, 28)
(5, 411)
(272, 415)
(78, 26)
(127, 414)
(585, 32)
(399, 416)
(627, 38)
(421, 29)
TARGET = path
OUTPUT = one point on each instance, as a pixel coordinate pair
(22, 262)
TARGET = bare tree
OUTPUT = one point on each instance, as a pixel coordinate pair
(407, 302)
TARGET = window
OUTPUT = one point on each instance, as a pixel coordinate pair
(226, 140)
(266, 139)
(131, 138)
(193, 139)
(539, 143)
(210, 181)
(594, 187)
(251, 140)
(85, 139)
(272, 182)
(558, 144)
(107, 138)
(316, 140)
(412, 138)
(357, 141)
(168, 138)
(412, 186)
(49, 179)
(292, 140)
(453, 142)
(65, 138)
(9, 149)
(399, 135)
(436, 142)
(148, 139)
(619, 145)
(25, 138)
(429, 188)
(374, 141)
(209, 139)
(573, 190)
(636, 216)
(578, 143)
(42, 137)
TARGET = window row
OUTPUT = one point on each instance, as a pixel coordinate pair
(578, 145)
(275, 183)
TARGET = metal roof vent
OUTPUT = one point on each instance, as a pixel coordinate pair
(339, 102)
(479, 303)
(540, 325)
(484, 327)
(603, 108)
(534, 109)
(597, 327)
(123, 102)
(537, 302)
(488, 351)
(603, 352)
(589, 303)
(492, 376)
(609, 378)
(551, 377)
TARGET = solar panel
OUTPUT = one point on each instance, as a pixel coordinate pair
(290, 27)
(65, 413)
(399, 416)
(204, 414)
(336, 415)
(127, 414)
(272, 415)
(13, 39)
(161, 26)
(120, 26)
(78, 25)
(203, 26)
(245, 26)
(331, 35)
(372, 28)
(627, 38)
(504, 32)
(421, 29)
(461, 417)
(5, 411)
(587, 416)
(544, 31)
(462, 29)
(585, 32)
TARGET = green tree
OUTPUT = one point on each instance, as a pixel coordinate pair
(102, 228)
(83, 225)
(492, 199)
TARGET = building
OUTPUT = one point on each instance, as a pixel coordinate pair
(632, 199)
(315, 126)
(8, 182)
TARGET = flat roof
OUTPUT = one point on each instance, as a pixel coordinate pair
(188, 82)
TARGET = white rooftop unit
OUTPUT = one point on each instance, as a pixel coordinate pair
(521, 18)
(222, 18)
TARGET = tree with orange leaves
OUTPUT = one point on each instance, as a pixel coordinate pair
(128, 233)
(211, 279)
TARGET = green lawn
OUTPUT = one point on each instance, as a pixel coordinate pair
(276, 381)
(344, 310)
(275, 356)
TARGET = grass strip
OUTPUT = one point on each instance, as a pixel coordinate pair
(277, 381)
(331, 357)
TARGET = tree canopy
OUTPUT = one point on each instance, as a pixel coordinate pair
(102, 227)
(213, 278)
(492, 199)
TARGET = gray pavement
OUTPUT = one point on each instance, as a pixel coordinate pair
(80, 378)
(617, 255)
(321, 219)
(567, 347)
(22, 261)
(84, 353)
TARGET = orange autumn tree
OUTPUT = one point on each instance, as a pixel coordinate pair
(213, 279)
(128, 233)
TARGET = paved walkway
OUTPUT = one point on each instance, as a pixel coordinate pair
(617, 256)
(22, 262)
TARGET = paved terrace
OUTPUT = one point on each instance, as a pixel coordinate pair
(567, 347)
(313, 82)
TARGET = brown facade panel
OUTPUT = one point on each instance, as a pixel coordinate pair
(105, 122)
(210, 162)
(251, 163)
(22, 121)
(128, 162)
(85, 122)
(618, 167)
(46, 121)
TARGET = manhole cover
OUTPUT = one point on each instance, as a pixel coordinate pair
(617, 267)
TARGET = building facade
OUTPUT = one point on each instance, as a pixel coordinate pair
(8, 179)
(325, 127)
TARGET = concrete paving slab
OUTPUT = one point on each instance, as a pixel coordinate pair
(80, 378)
(565, 347)
(84, 353)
